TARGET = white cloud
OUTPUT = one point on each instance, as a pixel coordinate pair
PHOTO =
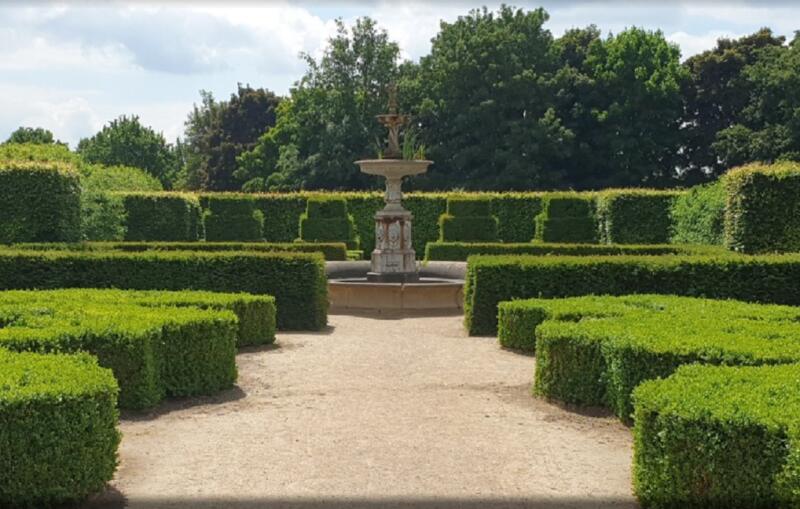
(692, 44)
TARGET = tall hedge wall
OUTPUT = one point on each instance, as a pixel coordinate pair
(567, 218)
(468, 219)
(493, 279)
(296, 280)
(762, 211)
(230, 218)
(698, 215)
(161, 216)
(39, 202)
(635, 216)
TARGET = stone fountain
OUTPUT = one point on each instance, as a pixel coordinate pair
(393, 259)
(392, 281)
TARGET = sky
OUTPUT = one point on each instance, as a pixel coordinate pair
(72, 67)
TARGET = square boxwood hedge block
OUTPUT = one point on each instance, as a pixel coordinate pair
(493, 279)
(326, 220)
(718, 437)
(296, 280)
(39, 202)
(469, 206)
(161, 216)
(468, 229)
(231, 219)
(635, 216)
(515, 214)
(762, 211)
(567, 218)
(326, 207)
(58, 436)
(698, 215)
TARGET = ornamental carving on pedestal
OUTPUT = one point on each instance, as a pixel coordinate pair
(395, 234)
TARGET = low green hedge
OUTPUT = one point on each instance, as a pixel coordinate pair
(493, 279)
(58, 436)
(296, 280)
(762, 208)
(39, 202)
(161, 216)
(567, 218)
(718, 437)
(635, 216)
(460, 251)
(154, 351)
(332, 251)
(596, 350)
(698, 215)
(230, 219)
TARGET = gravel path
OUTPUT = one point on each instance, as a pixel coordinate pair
(374, 412)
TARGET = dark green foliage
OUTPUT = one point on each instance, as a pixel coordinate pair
(296, 280)
(635, 216)
(493, 279)
(762, 208)
(39, 202)
(281, 214)
(468, 219)
(567, 218)
(124, 141)
(515, 213)
(460, 251)
(233, 219)
(718, 437)
(332, 251)
(33, 135)
(58, 436)
(326, 220)
(161, 216)
(698, 215)
(596, 350)
(363, 206)
(426, 209)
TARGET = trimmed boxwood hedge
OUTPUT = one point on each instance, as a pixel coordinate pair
(39, 202)
(326, 220)
(493, 279)
(762, 209)
(296, 280)
(596, 350)
(58, 436)
(232, 219)
(332, 251)
(635, 216)
(718, 437)
(698, 215)
(468, 219)
(460, 251)
(161, 216)
(567, 218)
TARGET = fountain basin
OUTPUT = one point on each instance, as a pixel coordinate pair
(394, 168)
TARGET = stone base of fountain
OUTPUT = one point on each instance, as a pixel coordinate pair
(393, 260)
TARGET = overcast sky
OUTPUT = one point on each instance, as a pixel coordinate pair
(72, 67)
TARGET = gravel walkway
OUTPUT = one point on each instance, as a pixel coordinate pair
(374, 412)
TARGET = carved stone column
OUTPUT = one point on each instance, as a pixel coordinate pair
(393, 259)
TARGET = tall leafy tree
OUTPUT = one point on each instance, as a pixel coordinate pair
(716, 94)
(217, 132)
(329, 120)
(126, 142)
(35, 135)
(487, 115)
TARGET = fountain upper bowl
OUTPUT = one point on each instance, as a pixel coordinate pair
(394, 168)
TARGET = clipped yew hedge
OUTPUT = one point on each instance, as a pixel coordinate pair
(39, 201)
(635, 216)
(161, 216)
(326, 220)
(698, 215)
(460, 251)
(468, 219)
(567, 218)
(332, 251)
(762, 209)
(493, 279)
(718, 437)
(296, 280)
(58, 436)
(232, 219)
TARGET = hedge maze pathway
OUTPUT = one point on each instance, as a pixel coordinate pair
(374, 413)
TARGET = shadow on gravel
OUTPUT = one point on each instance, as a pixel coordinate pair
(363, 503)
(396, 314)
(172, 405)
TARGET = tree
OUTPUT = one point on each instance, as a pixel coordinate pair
(126, 142)
(35, 135)
(639, 77)
(487, 115)
(329, 120)
(217, 132)
(768, 126)
(715, 96)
